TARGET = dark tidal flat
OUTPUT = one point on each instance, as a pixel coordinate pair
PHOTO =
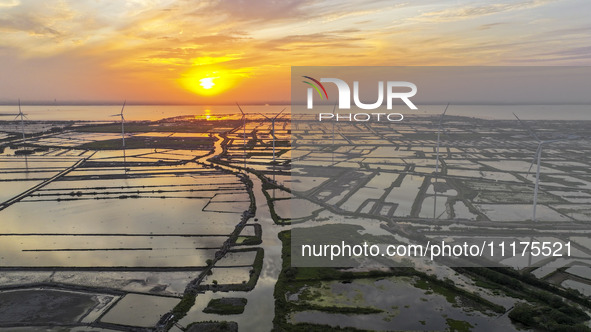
(44, 306)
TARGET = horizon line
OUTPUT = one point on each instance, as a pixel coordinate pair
(135, 103)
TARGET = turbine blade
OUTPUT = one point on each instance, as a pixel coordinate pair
(530, 166)
(280, 112)
(534, 159)
(561, 139)
(124, 102)
(265, 116)
(240, 108)
(554, 140)
(443, 114)
(531, 132)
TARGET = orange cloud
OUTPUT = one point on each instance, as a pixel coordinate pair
(157, 51)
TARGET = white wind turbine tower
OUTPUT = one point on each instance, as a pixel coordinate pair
(537, 159)
(437, 159)
(438, 139)
(333, 109)
(122, 133)
(273, 130)
(243, 133)
(22, 116)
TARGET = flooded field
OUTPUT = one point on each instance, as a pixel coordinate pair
(139, 310)
(399, 304)
(133, 236)
(143, 224)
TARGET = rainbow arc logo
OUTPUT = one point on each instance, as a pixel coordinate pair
(316, 86)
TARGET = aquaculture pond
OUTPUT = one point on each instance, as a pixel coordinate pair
(400, 303)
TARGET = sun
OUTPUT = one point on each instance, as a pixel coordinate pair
(206, 82)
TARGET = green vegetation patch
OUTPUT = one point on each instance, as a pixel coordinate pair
(226, 306)
(518, 284)
(547, 310)
(547, 318)
(247, 240)
(213, 326)
(458, 325)
(183, 307)
(453, 294)
(314, 295)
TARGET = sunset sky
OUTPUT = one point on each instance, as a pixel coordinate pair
(170, 51)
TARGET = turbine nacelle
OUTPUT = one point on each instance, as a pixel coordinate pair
(20, 112)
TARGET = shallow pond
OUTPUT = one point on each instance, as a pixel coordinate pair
(405, 195)
(295, 208)
(520, 212)
(404, 306)
(117, 216)
(139, 310)
(581, 287)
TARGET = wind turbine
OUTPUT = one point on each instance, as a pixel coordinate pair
(537, 158)
(25, 152)
(438, 140)
(243, 133)
(22, 116)
(122, 132)
(273, 130)
(333, 109)
(437, 160)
